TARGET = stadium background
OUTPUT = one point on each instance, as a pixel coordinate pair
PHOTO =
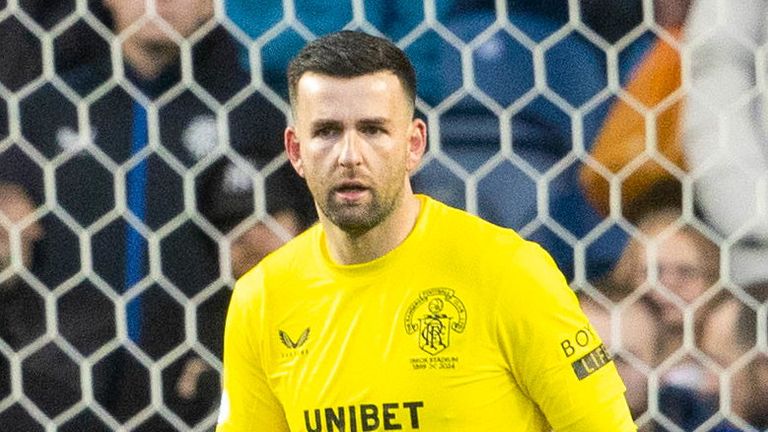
(516, 93)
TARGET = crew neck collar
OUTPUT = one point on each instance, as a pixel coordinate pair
(375, 266)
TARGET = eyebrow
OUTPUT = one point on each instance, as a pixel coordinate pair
(324, 123)
(376, 121)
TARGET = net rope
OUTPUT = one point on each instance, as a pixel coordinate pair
(506, 154)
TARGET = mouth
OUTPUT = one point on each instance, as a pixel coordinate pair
(350, 191)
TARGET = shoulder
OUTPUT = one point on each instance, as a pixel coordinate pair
(287, 260)
(523, 266)
(505, 251)
(462, 225)
(536, 292)
(491, 255)
(277, 276)
(296, 251)
(463, 234)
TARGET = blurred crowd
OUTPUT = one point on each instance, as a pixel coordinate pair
(141, 173)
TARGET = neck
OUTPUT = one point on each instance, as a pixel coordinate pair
(149, 60)
(355, 248)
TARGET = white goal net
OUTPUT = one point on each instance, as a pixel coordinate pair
(141, 171)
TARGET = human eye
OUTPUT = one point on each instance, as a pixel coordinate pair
(372, 129)
(326, 131)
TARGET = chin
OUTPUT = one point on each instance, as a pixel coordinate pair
(354, 225)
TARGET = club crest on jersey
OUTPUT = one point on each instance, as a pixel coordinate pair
(434, 314)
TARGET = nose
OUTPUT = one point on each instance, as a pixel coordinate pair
(350, 155)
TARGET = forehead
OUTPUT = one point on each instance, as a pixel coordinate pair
(679, 245)
(669, 244)
(129, 9)
(321, 96)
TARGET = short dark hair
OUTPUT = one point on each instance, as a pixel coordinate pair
(351, 54)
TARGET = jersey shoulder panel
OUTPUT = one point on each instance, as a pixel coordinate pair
(466, 230)
(298, 252)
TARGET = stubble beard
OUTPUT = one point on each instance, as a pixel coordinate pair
(358, 219)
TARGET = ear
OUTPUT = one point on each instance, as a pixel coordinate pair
(417, 144)
(293, 149)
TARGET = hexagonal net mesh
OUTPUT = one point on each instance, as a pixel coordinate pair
(141, 171)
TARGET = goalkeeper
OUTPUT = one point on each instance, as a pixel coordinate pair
(397, 312)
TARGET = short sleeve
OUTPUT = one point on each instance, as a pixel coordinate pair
(554, 353)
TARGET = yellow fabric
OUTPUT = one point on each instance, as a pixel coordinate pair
(463, 327)
(623, 139)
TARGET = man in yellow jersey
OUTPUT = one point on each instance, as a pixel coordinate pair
(397, 312)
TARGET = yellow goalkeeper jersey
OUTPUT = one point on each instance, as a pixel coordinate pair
(463, 327)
